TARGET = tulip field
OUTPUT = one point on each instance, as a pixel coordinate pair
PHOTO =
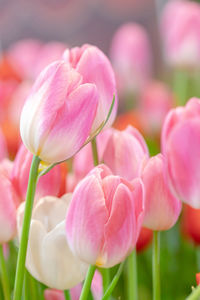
(100, 165)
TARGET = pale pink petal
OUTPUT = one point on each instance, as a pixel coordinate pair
(86, 218)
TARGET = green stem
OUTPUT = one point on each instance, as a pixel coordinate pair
(132, 276)
(67, 295)
(95, 152)
(25, 228)
(113, 283)
(156, 265)
(4, 275)
(106, 278)
(195, 294)
(180, 86)
(87, 283)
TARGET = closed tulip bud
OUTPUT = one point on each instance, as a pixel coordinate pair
(181, 147)
(162, 208)
(156, 100)
(122, 151)
(144, 240)
(104, 218)
(180, 28)
(131, 57)
(198, 278)
(49, 184)
(49, 258)
(125, 152)
(94, 67)
(8, 200)
(190, 222)
(59, 113)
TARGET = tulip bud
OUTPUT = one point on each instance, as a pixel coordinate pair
(104, 217)
(180, 28)
(131, 58)
(122, 151)
(156, 100)
(94, 67)
(162, 209)
(49, 184)
(190, 222)
(58, 115)
(8, 200)
(49, 258)
(144, 240)
(181, 147)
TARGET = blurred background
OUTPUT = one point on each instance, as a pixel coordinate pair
(77, 21)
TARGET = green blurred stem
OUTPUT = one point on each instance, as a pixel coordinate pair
(106, 278)
(195, 294)
(67, 295)
(25, 228)
(4, 275)
(87, 283)
(180, 86)
(95, 152)
(156, 265)
(132, 276)
(113, 283)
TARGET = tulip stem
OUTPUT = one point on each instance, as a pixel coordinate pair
(19, 278)
(106, 278)
(67, 295)
(87, 283)
(95, 152)
(4, 275)
(156, 265)
(113, 283)
(132, 276)
(180, 86)
(195, 294)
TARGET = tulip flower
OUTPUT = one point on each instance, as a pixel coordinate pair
(144, 240)
(49, 258)
(8, 200)
(181, 147)
(92, 64)
(162, 208)
(190, 222)
(131, 57)
(180, 28)
(59, 113)
(104, 218)
(48, 184)
(122, 151)
(155, 102)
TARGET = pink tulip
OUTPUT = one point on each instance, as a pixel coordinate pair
(8, 200)
(104, 218)
(131, 57)
(48, 184)
(181, 146)
(125, 152)
(3, 147)
(162, 209)
(180, 29)
(59, 113)
(94, 67)
(155, 102)
(23, 56)
(122, 151)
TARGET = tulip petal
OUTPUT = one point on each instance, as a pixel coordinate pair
(86, 218)
(96, 68)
